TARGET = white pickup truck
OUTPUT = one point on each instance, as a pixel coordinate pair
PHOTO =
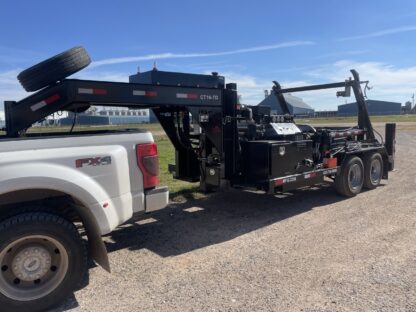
(51, 186)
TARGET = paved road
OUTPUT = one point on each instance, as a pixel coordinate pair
(239, 251)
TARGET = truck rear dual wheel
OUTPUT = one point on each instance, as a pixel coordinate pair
(42, 258)
(54, 69)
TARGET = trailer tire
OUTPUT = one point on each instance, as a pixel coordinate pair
(54, 69)
(373, 170)
(42, 260)
(351, 178)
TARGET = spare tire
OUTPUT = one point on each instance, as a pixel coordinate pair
(54, 69)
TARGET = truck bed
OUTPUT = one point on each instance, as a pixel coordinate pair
(64, 139)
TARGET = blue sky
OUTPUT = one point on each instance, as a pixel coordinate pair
(251, 43)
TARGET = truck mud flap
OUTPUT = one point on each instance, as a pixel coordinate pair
(390, 144)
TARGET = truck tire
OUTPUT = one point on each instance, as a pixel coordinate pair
(351, 178)
(42, 260)
(373, 170)
(54, 69)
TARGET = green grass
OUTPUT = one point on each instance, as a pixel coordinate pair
(179, 190)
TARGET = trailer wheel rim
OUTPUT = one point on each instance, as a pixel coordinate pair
(32, 267)
(375, 171)
(355, 177)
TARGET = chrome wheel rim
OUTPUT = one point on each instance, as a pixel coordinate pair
(32, 267)
(375, 171)
(355, 177)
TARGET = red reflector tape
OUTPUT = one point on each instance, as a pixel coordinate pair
(99, 91)
(48, 100)
(189, 96)
(92, 91)
(278, 182)
(151, 93)
(310, 175)
(144, 93)
(52, 99)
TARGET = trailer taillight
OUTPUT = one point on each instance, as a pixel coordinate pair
(148, 162)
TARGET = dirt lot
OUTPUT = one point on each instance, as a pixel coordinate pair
(238, 251)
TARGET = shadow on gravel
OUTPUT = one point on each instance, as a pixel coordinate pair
(69, 304)
(220, 217)
(184, 227)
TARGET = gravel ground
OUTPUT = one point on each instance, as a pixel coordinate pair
(238, 251)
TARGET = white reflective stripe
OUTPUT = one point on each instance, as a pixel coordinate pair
(85, 91)
(37, 106)
(139, 92)
(181, 95)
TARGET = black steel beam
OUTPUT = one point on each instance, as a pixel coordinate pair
(315, 87)
(363, 116)
(72, 93)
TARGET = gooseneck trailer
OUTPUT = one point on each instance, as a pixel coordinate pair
(97, 180)
(222, 143)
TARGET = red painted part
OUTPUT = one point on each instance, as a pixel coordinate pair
(99, 91)
(52, 99)
(151, 93)
(330, 162)
(278, 182)
(192, 96)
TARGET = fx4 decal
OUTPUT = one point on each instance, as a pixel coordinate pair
(93, 161)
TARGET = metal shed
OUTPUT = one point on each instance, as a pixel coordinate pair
(296, 105)
(374, 107)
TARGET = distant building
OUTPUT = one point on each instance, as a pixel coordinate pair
(297, 106)
(103, 120)
(326, 114)
(119, 112)
(107, 117)
(374, 108)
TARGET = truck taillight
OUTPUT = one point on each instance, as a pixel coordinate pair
(148, 162)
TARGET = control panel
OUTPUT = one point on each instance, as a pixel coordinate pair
(285, 128)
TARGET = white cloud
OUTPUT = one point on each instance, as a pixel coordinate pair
(9, 77)
(103, 75)
(252, 89)
(389, 83)
(169, 55)
(384, 32)
(10, 89)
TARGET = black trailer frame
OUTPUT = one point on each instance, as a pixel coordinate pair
(212, 156)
